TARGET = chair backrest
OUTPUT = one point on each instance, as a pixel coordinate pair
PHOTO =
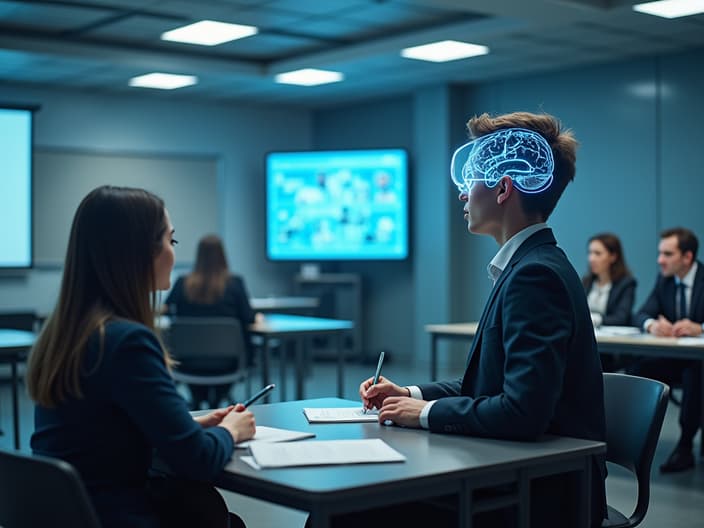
(197, 342)
(18, 320)
(40, 491)
(635, 410)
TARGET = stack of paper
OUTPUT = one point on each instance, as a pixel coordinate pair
(272, 434)
(340, 414)
(324, 452)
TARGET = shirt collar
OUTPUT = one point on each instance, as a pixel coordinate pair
(503, 257)
(688, 279)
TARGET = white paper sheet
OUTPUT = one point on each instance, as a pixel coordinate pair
(618, 331)
(273, 434)
(324, 452)
(341, 414)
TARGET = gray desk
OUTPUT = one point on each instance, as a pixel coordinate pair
(14, 345)
(635, 345)
(298, 328)
(284, 304)
(437, 465)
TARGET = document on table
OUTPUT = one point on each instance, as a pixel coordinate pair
(324, 452)
(617, 331)
(340, 414)
(273, 434)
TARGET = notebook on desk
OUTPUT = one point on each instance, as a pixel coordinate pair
(340, 415)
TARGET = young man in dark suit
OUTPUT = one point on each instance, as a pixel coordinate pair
(675, 308)
(533, 367)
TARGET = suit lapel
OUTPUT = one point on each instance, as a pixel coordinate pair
(697, 292)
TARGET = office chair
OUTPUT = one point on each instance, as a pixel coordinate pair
(18, 320)
(635, 409)
(41, 491)
(211, 352)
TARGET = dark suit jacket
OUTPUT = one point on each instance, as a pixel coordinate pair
(619, 307)
(662, 300)
(533, 367)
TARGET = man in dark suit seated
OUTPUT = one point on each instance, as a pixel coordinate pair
(675, 308)
(533, 367)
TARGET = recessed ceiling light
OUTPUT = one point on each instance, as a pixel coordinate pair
(209, 33)
(444, 51)
(671, 8)
(163, 81)
(309, 77)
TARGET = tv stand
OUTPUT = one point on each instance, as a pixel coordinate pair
(329, 282)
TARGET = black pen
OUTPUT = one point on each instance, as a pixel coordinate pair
(258, 395)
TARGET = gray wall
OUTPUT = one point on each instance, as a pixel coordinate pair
(237, 135)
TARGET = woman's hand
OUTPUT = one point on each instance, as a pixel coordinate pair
(239, 423)
(214, 418)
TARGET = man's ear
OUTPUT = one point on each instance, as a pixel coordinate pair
(504, 189)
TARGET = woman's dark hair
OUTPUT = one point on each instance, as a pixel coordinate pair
(108, 274)
(618, 268)
(206, 284)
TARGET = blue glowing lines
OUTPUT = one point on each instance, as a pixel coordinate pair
(521, 154)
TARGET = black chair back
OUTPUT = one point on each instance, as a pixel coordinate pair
(635, 410)
(18, 320)
(40, 491)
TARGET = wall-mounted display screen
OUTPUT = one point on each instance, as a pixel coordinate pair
(337, 205)
(16, 188)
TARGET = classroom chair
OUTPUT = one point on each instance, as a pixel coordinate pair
(635, 410)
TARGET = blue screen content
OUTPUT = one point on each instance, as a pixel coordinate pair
(16, 188)
(337, 205)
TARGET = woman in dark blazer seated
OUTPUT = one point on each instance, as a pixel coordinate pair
(100, 377)
(609, 286)
(211, 291)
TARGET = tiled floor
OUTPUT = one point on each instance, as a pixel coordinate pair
(677, 501)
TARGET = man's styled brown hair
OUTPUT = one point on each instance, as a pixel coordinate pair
(562, 143)
(686, 240)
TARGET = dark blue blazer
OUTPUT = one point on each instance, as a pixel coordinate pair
(533, 367)
(619, 307)
(661, 300)
(129, 407)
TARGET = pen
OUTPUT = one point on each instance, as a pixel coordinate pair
(258, 395)
(378, 371)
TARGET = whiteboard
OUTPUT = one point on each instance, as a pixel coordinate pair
(62, 178)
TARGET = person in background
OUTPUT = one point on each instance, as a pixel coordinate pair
(533, 367)
(101, 380)
(210, 290)
(675, 308)
(609, 285)
(610, 288)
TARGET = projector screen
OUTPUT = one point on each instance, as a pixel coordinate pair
(337, 205)
(16, 188)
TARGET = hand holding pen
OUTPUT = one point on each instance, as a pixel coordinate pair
(376, 389)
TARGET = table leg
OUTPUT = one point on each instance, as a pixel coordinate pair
(465, 506)
(283, 359)
(300, 370)
(339, 341)
(265, 365)
(433, 357)
(15, 404)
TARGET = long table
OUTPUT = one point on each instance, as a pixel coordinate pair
(298, 328)
(636, 344)
(436, 465)
(14, 345)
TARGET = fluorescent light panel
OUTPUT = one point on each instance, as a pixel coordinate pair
(163, 81)
(309, 77)
(444, 51)
(209, 33)
(671, 8)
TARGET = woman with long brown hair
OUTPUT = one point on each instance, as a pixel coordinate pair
(100, 376)
(210, 290)
(609, 285)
